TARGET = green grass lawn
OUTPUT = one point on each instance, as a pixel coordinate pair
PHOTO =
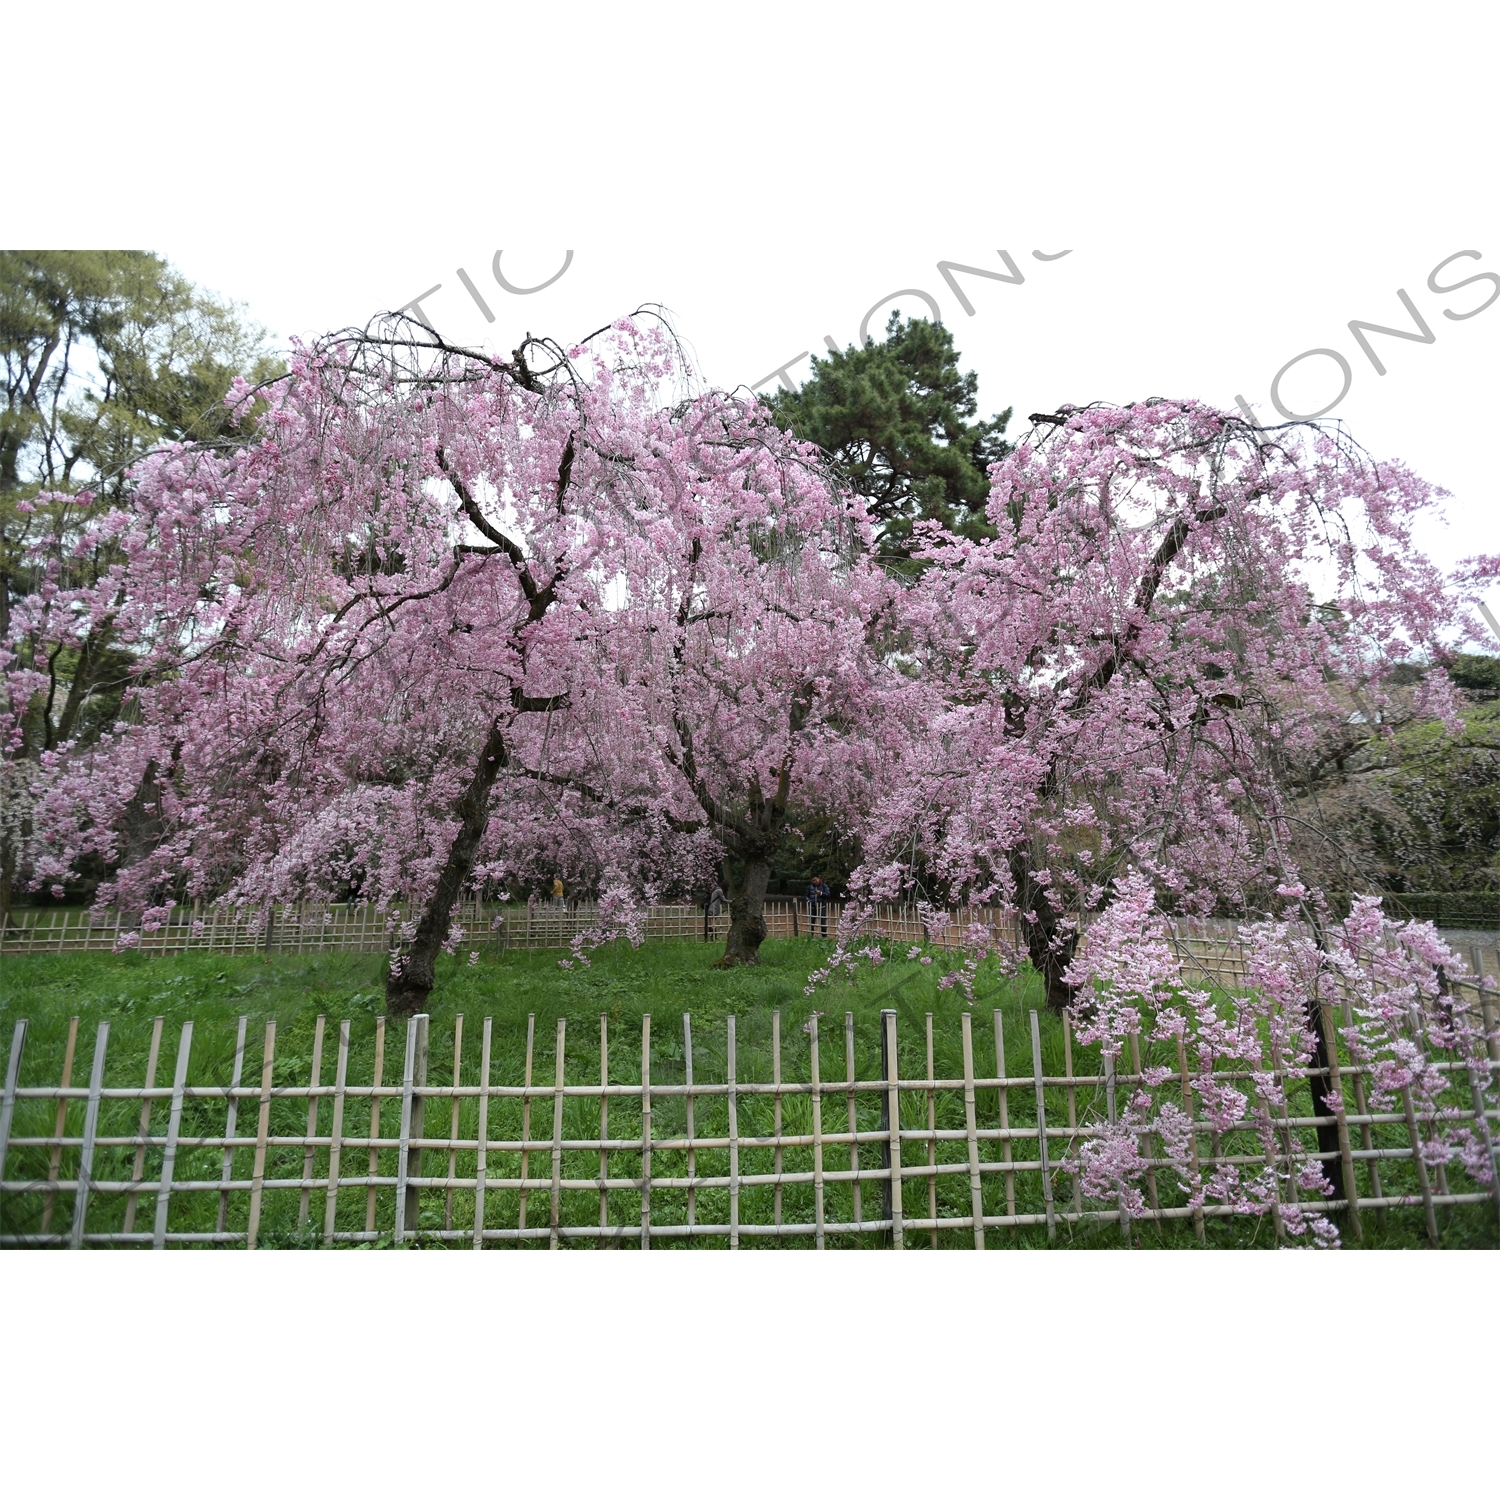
(664, 979)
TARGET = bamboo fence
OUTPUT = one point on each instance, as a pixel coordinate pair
(1209, 947)
(313, 927)
(688, 1148)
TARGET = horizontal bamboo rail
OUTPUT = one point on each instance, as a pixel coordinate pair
(667, 1156)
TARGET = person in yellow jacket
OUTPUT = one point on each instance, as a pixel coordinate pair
(559, 896)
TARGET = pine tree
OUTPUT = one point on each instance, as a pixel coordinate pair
(897, 419)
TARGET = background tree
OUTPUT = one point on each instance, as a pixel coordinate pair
(1402, 802)
(745, 649)
(105, 354)
(895, 419)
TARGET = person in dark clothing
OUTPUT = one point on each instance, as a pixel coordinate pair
(817, 904)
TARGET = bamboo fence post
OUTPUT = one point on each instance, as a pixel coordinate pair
(1341, 1115)
(692, 1156)
(892, 1125)
(12, 1082)
(174, 1130)
(90, 1129)
(59, 1128)
(418, 1129)
(378, 1079)
(1424, 1034)
(262, 1130)
(1067, 1025)
(971, 1125)
(852, 1111)
(1146, 1135)
(1424, 1183)
(734, 1140)
(603, 1124)
(932, 1212)
(1366, 1138)
(1267, 1136)
(557, 1124)
(1478, 1072)
(403, 1152)
(1278, 1069)
(646, 1131)
(138, 1168)
(1215, 1138)
(776, 1111)
(481, 1160)
(231, 1123)
(1004, 1093)
(458, 1041)
(817, 1132)
(1041, 1127)
(336, 1147)
(1487, 1009)
(526, 1121)
(1189, 1110)
(305, 1206)
(1110, 1105)
(1476, 1093)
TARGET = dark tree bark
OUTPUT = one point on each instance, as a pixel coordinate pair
(754, 836)
(1320, 1082)
(1049, 945)
(747, 915)
(406, 993)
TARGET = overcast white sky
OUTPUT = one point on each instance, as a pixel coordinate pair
(1232, 188)
(1093, 324)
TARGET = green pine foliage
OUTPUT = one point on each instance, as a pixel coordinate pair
(896, 418)
(107, 353)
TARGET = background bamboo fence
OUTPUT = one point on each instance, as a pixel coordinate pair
(1209, 947)
(822, 1151)
(310, 927)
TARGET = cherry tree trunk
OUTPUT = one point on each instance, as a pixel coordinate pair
(1319, 1084)
(1050, 962)
(1049, 945)
(747, 916)
(406, 993)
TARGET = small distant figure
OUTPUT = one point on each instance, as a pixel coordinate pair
(715, 901)
(817, 904)
(559, 896)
